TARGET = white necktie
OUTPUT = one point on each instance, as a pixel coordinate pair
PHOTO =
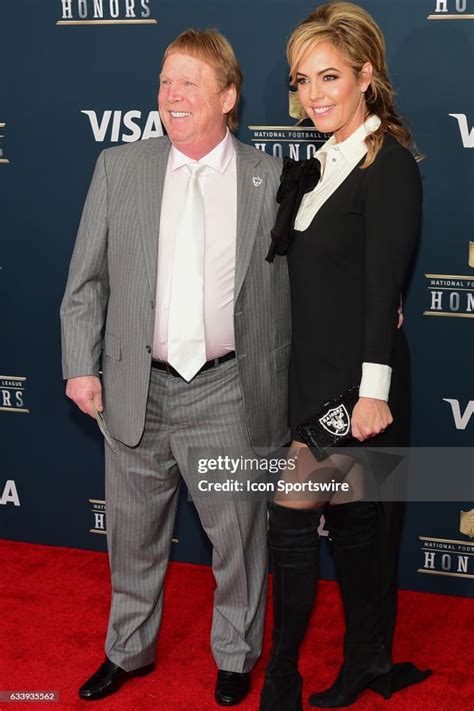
(186, 335)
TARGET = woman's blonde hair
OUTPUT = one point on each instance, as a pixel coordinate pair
(213, 48)
(358, 37)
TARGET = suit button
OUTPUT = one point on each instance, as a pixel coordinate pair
(148, 349)
(152, 304)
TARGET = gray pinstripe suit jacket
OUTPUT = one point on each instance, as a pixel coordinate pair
(108, 304)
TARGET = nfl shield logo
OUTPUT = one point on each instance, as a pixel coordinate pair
(467, 523)
(337, 421)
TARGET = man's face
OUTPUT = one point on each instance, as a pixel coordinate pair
(192, 105)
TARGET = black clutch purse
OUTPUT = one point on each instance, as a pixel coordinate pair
(331, 426)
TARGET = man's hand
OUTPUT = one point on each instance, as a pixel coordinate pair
(86, 392)
(400, 316)
(370, 417)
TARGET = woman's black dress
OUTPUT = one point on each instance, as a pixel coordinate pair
(347, 271)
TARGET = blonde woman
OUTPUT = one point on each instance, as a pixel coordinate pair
(349, 223)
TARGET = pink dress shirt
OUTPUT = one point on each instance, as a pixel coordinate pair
(218, 183)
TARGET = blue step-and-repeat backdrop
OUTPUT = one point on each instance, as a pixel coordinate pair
(80, 75)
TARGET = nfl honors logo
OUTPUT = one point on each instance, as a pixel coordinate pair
(98, 512)
(299, 142)
(450, 557)
(105, 12)
(12, 394)
(452, 294)
(452, 10)
(336, 421)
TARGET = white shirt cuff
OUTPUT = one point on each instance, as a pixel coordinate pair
(375, 381)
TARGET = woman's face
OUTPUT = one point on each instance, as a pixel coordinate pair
(330, 91)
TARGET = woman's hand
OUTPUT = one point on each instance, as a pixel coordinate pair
(370, 417)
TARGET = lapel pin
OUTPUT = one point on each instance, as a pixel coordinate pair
(257, 181)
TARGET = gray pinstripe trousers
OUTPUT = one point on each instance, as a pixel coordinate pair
(142, 485)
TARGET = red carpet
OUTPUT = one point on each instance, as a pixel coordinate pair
(54, 607)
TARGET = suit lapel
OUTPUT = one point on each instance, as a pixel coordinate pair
(250, 192)
(150, 181)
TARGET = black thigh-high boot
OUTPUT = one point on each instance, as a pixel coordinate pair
(294, 545)
(402, 674)
(353, 530)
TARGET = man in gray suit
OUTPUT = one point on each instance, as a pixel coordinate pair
(168, 278)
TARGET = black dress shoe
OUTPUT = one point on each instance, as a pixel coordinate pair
(108, 679)
(231, 687)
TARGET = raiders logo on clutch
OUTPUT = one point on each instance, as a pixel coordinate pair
(336, 421)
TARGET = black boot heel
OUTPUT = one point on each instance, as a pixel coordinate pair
(354, 677)
(399, 677)
(382, 685)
